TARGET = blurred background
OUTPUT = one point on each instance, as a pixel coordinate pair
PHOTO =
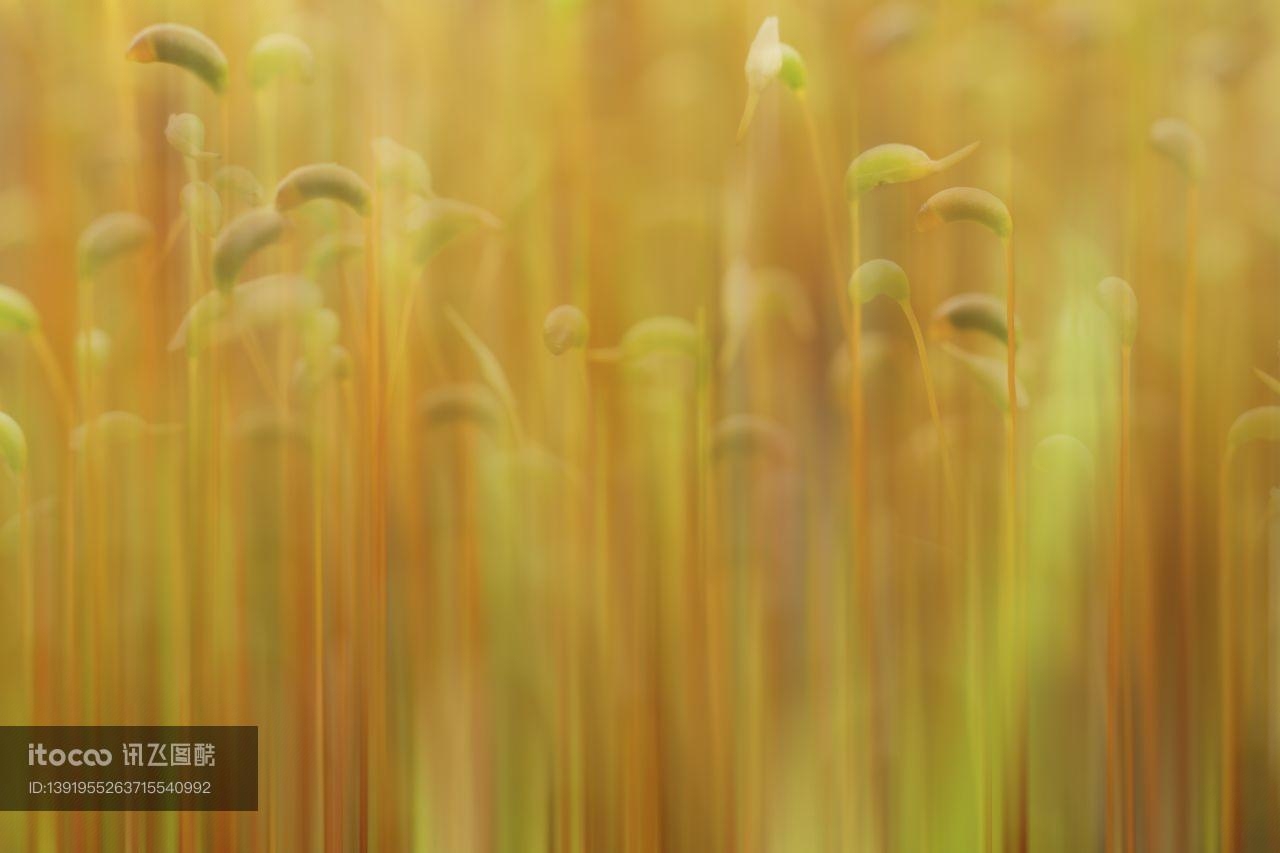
(709, 578)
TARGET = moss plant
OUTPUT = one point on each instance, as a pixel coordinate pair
(1261, 424)
(885, 278)
(1118, 301)
(1181, 145)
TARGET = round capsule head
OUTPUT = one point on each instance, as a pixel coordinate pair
(109, 237)
(564, 329)
(17, 313)
(93, 349)
(280, 55)
(1260, 424)
(660, 334)
(1064, 456)
(185, 133)
(793, 73)
(1121, 306)
(1176, 139)
(879, 278)
(965, 204)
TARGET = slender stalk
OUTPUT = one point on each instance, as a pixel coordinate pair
(851, 321)
(57, 382)
(27, 592)
(828, 219)
(1014, 582)
(1228, 830)
(1186, 484)
(1187, 393)
(317, 585)
(1116, 678)
(922, 355)
(1011, 450)
(863, 588)
(377, 544)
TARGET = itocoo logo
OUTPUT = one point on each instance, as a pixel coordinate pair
(37, 754)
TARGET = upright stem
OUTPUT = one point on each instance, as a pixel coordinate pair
(1014, 583)
(57, 382)
(828, 220)
(1187, 395)
(864, 587)
(1186, 478)
(1226, 601)
(1115, 628)
(856, 421)
(922, 353)
(26, 520)
(376, 612)
(317, 582)
(1011, 379)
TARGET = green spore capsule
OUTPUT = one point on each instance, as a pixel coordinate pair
(972, 312)
(1179, 142)
(240, 240)
(323, 181)
(185, 133)
(565, 328)
(1260, 424)
(280, 55)
(895, 163)
(659, 335)
(185, 47)
(965, 204)
(17, 313)
(879, 278)
(110, 237)
(1121, 307)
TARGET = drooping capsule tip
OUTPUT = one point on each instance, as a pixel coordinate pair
(140, 49)
(928, 218)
